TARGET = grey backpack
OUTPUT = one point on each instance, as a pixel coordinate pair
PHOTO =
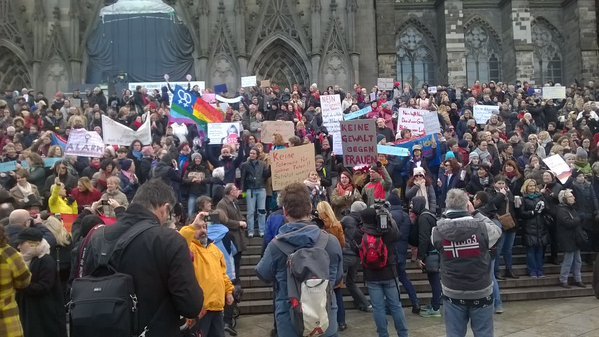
(308, 286)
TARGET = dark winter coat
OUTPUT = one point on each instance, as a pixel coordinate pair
(402, 220)
(567, 220)
(353, 235)
(254, 174)
(41, 304)
(161, 255)
(425, 222)
(535, 228)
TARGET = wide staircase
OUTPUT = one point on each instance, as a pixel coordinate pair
(257, 297)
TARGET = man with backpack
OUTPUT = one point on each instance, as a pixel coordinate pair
(296, 259)
(380, 269)
(144, 268)
(428, 256)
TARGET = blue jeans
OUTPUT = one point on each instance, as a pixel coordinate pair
(498, 246)
(506, 250)
(191, 205)
(457, 316)
(387, 292)
(434, 279)
(405, 280)
(534, 259)
(340, 305)
(573, 262)
(496, 293)
(256, 201)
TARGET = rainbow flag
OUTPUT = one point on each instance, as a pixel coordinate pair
(190, 109)
(58, 140)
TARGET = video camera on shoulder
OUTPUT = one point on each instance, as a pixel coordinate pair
(383, 215)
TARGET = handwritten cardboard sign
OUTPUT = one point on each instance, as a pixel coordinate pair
(384, 83)
(285, 128)
(358, 138)
(265, 84)
(412, 120)
(291, 165)
(482, 113)
(332, 114)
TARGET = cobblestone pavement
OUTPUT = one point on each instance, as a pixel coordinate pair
(563, 317)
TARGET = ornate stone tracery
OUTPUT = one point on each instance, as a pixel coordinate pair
(483, 51)
(415, 59)
(547, 53)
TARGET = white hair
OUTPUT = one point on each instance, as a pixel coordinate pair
(456, 200)
(219, 173)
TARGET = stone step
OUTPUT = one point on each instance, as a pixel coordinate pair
(250, 280)
(422, 286)
(264, 306)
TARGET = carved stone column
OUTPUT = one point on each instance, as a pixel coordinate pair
(316, 9)
(240, 9)
(454, 42)
(352, 7)
(40, 32)
(201, 64)
(74, 41)
(518, 61)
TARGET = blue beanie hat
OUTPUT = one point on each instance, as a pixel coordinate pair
(449, 155)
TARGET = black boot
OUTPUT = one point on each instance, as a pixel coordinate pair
(510, 274)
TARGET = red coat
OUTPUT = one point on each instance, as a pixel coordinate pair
(85, 199)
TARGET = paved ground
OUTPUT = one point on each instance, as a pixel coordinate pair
(564, 317)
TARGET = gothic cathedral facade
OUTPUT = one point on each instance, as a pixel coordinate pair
(43, 42)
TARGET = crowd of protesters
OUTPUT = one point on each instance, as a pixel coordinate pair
(499, 164)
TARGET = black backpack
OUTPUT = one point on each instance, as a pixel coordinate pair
(104, 302)
(414, 236)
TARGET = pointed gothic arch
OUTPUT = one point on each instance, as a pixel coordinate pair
(548, 57)
(281, 60)
(277, 17)
(335, 66)
(15, 73)
(483, 51)
(223, 66)
(416, 54)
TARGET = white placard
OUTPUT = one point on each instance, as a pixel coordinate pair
(554, 92)
(228, 100)
(85, 144)
(558, 166)
(224, 133)
(411, 119)
(384, 83)
(431, 122)
(332, 114)
(248, 81)
(432, 90)
(482, 113)
(115, 133)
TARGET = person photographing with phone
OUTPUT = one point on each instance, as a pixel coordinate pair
(211, 273)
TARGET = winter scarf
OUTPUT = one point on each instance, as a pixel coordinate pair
(43, 248)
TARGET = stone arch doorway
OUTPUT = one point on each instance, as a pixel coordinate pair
(15, 74)
(280, 62)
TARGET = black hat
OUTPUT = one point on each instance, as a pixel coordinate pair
(33, 201)
(394, 199)
(368, 216)
(30, 234)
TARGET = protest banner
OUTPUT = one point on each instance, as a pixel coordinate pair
(358, 139)
(8, 166)
(224, 133)
(392, 150)
(558, 166)
(291, 165)
(265, 84)
(228, 100)
(554, 92)
(384, 83)
(432, 90)
(427, 148)
(357, 114)
(373, 96)
(332, 114)
(411, 119)
(85, 144)
(482, 113)
(285, 128)
(115, 133)
(248, 81)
